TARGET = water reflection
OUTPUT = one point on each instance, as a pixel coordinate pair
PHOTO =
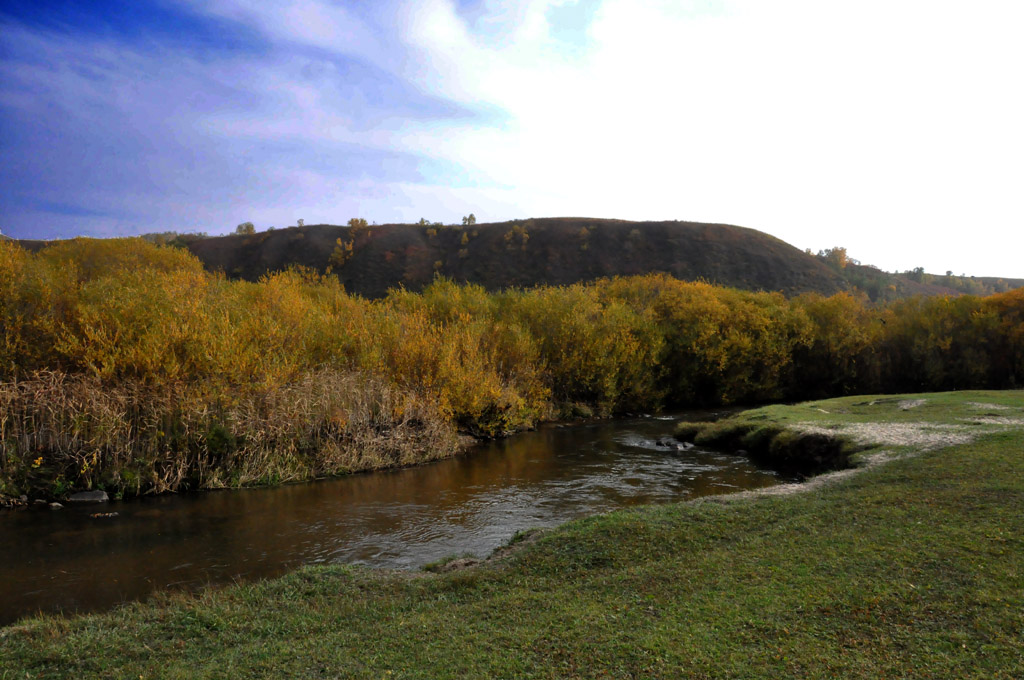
(404, 518)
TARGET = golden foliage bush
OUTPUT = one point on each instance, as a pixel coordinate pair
(840, 353)
(593, 348)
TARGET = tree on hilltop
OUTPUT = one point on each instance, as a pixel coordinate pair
(836, 257)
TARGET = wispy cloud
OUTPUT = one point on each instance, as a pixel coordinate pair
(155, 136)
(864, 125)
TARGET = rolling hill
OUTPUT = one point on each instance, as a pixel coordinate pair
(557, 251)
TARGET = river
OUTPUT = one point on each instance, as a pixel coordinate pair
(67, 560)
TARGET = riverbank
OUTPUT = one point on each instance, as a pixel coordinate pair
(912, 568)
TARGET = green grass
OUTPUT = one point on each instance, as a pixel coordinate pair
(914, 568)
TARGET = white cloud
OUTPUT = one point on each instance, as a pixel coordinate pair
(821, 123)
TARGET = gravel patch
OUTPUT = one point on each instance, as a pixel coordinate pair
(988, 407)
(924, 436)
(908, 404)
(1001, 421)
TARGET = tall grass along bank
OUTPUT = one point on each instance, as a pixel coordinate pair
(136, 437)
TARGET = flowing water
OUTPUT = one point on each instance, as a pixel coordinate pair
(67, 560)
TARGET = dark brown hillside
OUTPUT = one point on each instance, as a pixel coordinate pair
(525, 253)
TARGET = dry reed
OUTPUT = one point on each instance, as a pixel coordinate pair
(60, 432)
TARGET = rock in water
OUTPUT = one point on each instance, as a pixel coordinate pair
(673, 443)
(96, 496)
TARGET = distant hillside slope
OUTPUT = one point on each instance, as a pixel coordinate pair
(882, 286)
(524, 253)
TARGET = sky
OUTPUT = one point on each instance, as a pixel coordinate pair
(893, 128)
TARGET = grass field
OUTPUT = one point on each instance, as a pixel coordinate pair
(912, 566)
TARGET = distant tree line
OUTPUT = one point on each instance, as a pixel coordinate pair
(881, 286)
